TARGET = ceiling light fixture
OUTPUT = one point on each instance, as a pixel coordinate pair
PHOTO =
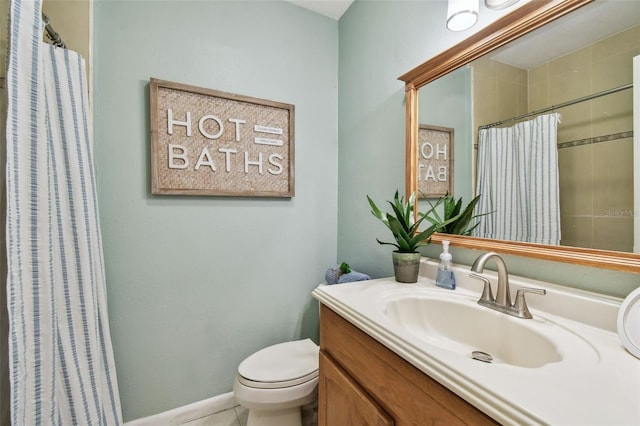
(499, 4)
(462, 14)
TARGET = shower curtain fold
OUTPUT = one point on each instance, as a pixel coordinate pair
(517, 182)
(61, 360)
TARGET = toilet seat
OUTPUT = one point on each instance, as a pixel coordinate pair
(280, 366)
(277, 385)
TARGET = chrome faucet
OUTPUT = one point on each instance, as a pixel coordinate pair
(502, 301)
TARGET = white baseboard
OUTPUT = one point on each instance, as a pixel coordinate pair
(187, 413)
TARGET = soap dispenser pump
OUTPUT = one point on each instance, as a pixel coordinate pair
(445, 278)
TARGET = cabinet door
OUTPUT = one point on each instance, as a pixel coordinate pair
(342, 402)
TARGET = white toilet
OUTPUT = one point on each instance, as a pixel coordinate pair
(276, 381)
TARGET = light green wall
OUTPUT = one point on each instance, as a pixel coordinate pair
(196, 284)
(379, 41)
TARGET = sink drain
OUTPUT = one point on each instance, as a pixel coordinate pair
(481, 356)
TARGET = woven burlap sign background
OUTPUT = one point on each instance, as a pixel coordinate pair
(435, 161)
(207, 142)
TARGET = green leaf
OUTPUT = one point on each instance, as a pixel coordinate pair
(403, 224)
(388, 244)
(400, 234)
(455, 220)
(375, 210)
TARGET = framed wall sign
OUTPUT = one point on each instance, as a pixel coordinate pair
(435, 161)
(207, 142)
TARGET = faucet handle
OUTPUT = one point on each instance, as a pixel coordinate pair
(521, 304)
(487, 295)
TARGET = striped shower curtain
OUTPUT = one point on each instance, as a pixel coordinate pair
(517, 181)
(61, 362)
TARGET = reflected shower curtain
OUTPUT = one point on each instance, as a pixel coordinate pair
(61, 361)
(518, 182)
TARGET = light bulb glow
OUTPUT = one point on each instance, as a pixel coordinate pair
(499, 4)
(462, 14)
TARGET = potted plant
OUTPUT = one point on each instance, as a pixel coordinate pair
(455, 219)
(404, 228)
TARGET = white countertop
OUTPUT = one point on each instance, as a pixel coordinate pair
(601, 386)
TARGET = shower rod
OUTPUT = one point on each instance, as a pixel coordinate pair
(55, 38)
(562, 105)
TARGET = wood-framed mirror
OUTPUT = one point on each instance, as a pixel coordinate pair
(512, 26)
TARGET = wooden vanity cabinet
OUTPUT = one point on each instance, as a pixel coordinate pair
(363, 383)
(344, 402)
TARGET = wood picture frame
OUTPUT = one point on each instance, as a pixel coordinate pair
(208, 142)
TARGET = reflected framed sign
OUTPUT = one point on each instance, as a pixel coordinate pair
(435, 161)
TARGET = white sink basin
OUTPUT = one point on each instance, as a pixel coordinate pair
(566, 366)
(460, 325)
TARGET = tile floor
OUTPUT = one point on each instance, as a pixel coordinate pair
(237, 416)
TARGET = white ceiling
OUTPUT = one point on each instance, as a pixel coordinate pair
(331, 8)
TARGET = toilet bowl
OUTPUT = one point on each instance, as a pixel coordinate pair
(275, 382)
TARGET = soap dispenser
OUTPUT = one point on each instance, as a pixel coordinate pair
(445, 278)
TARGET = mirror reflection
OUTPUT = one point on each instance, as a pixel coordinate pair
(544, 131)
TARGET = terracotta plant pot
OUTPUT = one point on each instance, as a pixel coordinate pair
(406, 266)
